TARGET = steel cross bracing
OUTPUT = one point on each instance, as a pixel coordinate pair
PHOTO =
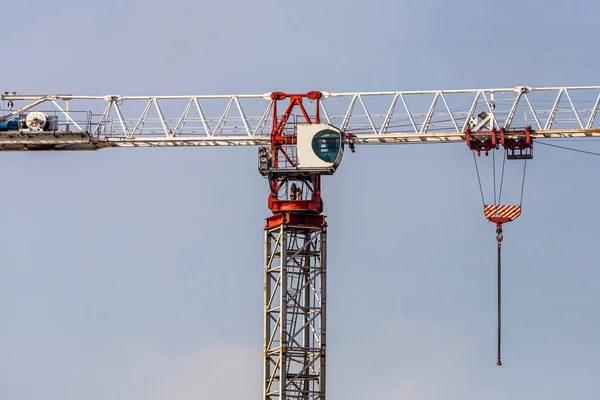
(94, 122)
(294, 312)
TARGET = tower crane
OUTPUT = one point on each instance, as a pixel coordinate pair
(300, 138)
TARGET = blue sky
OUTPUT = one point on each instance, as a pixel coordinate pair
(137, 274)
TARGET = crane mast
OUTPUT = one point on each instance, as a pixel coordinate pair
(300, 139)
(295, 249)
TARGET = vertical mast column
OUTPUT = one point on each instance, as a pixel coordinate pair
(295, 304)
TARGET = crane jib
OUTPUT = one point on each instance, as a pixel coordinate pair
(396, 117)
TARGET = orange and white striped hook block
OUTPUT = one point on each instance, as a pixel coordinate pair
(501, 214)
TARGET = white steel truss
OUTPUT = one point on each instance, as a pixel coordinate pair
(294, 347)
(93, 122)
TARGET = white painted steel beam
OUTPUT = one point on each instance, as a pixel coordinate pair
(434, 116)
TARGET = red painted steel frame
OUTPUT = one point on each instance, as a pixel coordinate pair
(524, 141)
(482, 141)
(490, 140)
(278, 140)
(295, 219)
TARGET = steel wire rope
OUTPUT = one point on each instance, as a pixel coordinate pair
(523, 183)
(499, 269)
(499, 290)
(569, 148)
(585, 138)
(502, 178)
(494, 173)
(478, 178)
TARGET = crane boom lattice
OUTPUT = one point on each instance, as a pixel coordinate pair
(95, 122)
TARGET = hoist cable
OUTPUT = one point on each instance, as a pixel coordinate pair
(494, 172)
(523, 183)
(478, 178)
(499, 241)
(497, 199)
(502, 178)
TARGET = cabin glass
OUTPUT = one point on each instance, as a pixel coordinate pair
(326, 145)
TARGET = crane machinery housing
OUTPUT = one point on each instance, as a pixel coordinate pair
(297, 145)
